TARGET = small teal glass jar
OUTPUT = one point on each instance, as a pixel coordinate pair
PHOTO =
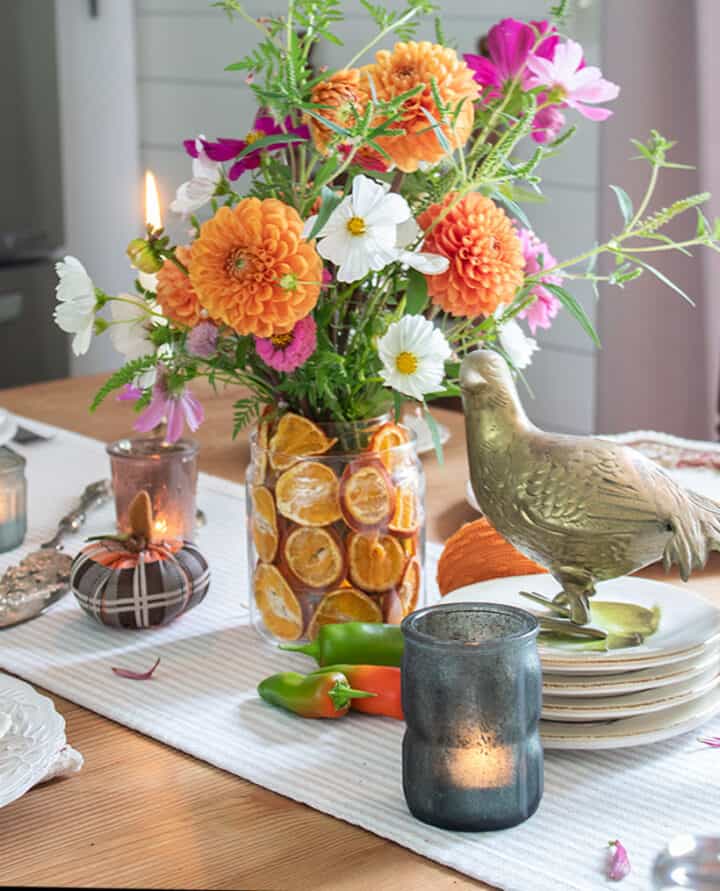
(13, 500)
(472, 694)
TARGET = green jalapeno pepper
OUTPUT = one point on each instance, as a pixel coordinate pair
(312, 696)
(354, 643)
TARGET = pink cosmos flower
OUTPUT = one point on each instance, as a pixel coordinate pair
(510, 45)
(202, 340)
(286, 352)
(576, 86)
(546, 305)
(227, 149)
(129, 393)
(176, 409)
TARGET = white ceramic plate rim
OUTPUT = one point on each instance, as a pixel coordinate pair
(592, 685)
(643, 702)
(687, 623)
(35, 736)
(8, 427)
(636, 731)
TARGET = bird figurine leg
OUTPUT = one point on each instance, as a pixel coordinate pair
(577, 589)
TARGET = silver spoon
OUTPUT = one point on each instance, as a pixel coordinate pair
(43, 577)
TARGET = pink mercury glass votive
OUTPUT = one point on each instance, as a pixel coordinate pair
(168, 473)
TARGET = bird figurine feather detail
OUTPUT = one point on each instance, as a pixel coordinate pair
(586, 508)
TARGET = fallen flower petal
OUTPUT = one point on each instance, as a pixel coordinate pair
(136, 675)
(712, 741)
(619, 866)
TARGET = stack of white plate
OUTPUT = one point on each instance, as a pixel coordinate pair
(594, 699)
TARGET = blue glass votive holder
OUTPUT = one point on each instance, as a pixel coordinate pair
(13, 500)
(472, 694)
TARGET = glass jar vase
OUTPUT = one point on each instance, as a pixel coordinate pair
(337, 536)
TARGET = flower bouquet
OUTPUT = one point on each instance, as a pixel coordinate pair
(342, 258)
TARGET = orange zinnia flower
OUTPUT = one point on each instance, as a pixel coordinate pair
(175, 292)
(345, 96)
(485, 254)
(252, 269)
(408, 65)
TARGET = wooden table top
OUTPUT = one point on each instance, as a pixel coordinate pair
(142, 815)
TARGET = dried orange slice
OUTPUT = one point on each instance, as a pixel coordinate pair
(367, 495)
(406, 520)
(308, 494)
(264, 524)
(409, 589)
(375, 562)
(297, 437)
(410, 545)
(261, 453)
(392, 608)
(314, 557)
(344, 605)
(278, 605)
(386, 438)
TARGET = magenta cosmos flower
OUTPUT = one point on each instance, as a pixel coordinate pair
(176, 409)
(286, 352)
(227, 149)
(546, 305)
(570, 82)
(510, 45)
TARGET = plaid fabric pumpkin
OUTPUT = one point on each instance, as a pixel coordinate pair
(143, 589)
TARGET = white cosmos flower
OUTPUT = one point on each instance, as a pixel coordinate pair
(196, 192)
(413, 353)
(130, 333)
(75, 312)
(362, 233)
(516, 343)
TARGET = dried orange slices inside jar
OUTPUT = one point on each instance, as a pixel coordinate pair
(307, 493)
(314, 557)
(409, 590)
(375, 562)
(344, 605)
(367, 494)
(405, 521)
(387, 437)
(264, 524)
(296, 437)
(278, 605)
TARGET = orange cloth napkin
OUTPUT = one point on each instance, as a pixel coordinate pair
(477, 552)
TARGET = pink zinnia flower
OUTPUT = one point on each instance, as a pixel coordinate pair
(286, 352)
(176, 409)
(202, 340)
(227, 149)
(546, 305)
(573, 84)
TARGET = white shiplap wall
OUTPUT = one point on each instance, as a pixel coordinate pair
(183, 46)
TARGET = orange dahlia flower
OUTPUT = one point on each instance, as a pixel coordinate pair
(345, 95)
(485, 254)
(408, 65)
(175, 292)
(252, 269)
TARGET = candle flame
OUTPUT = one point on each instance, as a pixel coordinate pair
(161, 526)
(152, 201)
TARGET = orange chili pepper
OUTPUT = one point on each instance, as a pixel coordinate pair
(311, 696)
(382, 680)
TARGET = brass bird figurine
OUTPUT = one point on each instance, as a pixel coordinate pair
(585, 508)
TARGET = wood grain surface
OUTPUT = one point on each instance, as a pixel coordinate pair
(142, 815)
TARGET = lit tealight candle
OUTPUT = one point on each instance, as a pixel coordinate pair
(486, 764)
(153, 218)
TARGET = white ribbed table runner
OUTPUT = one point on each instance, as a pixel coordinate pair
(202, 701)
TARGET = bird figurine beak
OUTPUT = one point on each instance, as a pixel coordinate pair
(470, 377)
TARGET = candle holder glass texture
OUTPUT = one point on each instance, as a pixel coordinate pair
(472, 693)
(13, 500)
(168, 473)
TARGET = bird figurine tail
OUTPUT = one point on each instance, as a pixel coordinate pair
(696, 533)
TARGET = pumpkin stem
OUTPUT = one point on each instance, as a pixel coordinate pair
(141, 516)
